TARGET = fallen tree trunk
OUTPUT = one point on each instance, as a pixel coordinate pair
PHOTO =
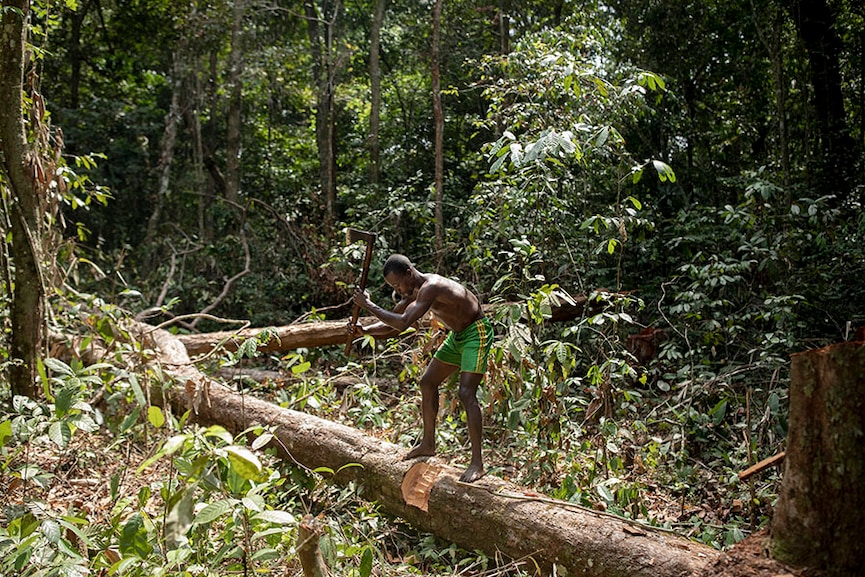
(490, 515)
(303, 335)
(327, 333)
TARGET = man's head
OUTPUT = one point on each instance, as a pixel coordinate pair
(398, 274)
(396, 264)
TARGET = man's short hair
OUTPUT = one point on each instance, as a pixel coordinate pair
(397, 264)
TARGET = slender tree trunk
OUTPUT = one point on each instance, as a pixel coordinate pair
(25, 177)
(818, 519)
(75, 53)
(235, 103)
(438, 117)
(504, 28)
(375, 91)
(816, 24)
(320, 30)
(166, 154)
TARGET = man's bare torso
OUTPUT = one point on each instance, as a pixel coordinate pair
(453, 304)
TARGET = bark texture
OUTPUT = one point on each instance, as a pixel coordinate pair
(327, 333)
(490, 515)
(26, 177)
(818, 518)
(305, 335)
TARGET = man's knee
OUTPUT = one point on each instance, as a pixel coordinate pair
(468, 393)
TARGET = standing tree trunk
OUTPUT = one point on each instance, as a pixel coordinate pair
(169, 137)
(25, 179)
(438, 117)
(816, 25)
(235, 102)
(320, 28)
(818, 519)
(375, 91)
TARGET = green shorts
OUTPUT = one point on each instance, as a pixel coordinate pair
(469, 348)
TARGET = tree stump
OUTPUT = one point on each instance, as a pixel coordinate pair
(818, 519)
(308, 549)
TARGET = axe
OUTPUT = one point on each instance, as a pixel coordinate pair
(353, 235)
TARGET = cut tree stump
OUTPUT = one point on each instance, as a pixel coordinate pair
(817, 521)
(490, 515)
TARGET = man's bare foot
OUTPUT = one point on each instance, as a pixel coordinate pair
(420, 451)
(473, 473)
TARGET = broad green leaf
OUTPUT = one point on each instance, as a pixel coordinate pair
(60, 433)
(51, 530)
(665, 171)
(219, 432)
(301, 368)
(605, 493)
(276, 517)
(59, 367)
(179, 521)
(366, 562)
(133, 538)
(155, 416)
(262, 440)
(136, 390)
(265, 554)
(5, 432)
(64, 399)
(214, 511)
(244, 462)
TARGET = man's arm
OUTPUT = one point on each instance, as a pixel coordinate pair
(380, 329)
(399, 319)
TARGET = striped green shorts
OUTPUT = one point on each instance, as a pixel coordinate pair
(469, 348)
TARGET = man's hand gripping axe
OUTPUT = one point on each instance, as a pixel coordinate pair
(353, 235)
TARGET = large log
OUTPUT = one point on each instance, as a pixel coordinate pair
(286, 338)
(817, 521)
(326, 333)
(490, 515)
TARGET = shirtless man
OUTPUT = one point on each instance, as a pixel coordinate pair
(466, 347)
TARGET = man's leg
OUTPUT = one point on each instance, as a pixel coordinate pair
(435, 373)
(469, 383)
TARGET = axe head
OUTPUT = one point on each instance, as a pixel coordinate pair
(354, 235)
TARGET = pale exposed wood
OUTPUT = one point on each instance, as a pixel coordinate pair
(490, 515)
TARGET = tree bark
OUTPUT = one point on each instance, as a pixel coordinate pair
(491, 515)
(305, 335)
(320, 29)
(327, 333)
(816, 24)
(818, 518)
(25, 177)
(235, 103)
(308, 547)
(375, 91)
(169, 137)
(438, 118)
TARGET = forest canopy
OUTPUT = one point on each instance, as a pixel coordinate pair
(693, 170)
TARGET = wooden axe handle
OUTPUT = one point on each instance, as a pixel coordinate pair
(364, 274)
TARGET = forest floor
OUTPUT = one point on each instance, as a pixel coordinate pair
(78, 479)
(750, 558)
